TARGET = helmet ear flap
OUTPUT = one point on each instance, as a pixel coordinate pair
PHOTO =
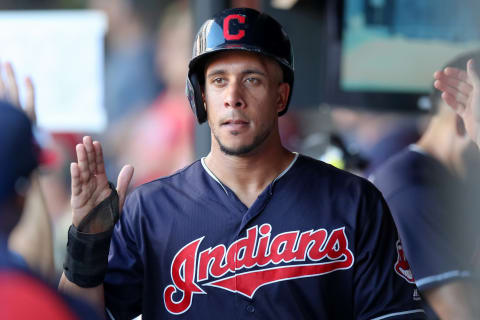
(194, 94)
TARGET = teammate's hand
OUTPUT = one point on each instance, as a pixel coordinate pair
(9, 91)
(461, 91)
(89, 181)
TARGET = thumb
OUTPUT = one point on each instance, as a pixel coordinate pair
(124, 178)
(472, 73)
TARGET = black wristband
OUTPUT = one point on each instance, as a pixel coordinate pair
(87, 252)
(87, 257)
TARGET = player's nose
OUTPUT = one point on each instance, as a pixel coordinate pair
(234, 97)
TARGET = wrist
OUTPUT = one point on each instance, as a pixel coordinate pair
(87, 257)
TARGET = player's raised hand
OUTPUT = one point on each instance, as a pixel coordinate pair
(89, 181)
(9, 91)
(461, 91)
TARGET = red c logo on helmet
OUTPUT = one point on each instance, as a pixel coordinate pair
(226, 27)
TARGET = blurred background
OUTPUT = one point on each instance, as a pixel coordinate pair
(116, 70)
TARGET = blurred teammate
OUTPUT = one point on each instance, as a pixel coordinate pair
(22, 294)
(428, 189)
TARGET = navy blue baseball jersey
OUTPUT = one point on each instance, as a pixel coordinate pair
(430, 208)
(318, 243)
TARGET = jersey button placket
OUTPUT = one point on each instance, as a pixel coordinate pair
(249, 307)
(235, 259)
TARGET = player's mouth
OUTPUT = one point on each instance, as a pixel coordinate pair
(235, 124)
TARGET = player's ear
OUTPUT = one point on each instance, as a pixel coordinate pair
(283, 92)
(203, 98)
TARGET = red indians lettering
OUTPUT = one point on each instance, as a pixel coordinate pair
(325, 253)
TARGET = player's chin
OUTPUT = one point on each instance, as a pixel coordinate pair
(234, 137)
(236, 149)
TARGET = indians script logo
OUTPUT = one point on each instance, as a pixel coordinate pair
(228, 268)
(402, 268)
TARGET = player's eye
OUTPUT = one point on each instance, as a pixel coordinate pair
(252, 80)
(218, 81)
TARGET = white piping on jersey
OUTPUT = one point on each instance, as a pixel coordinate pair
(204, 165)
(398, 314)
(110, 315)
(288, 168)
(416, 148)
(442, 277)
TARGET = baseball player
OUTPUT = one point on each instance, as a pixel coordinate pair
(252, 230)
(428, 187)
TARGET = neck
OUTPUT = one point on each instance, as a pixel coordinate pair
(439, 141)
(248, 175)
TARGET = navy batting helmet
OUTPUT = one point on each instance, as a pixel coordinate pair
(237, 29)
(18, 153)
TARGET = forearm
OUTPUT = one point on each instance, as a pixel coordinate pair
(451, 301)
(93, 295)
(32, 238)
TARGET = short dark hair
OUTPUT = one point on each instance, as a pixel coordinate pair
(459, 62)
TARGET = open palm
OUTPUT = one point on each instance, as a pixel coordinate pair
(89, 181)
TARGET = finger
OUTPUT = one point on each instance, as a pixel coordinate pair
(83, 163)
(462, 86)
(91, 158)
(454, 76)
(453, 102)
(438, 75)
(456, 73)
(124, 178)
(461, 97)
(30, 100)
(472, 73)
(99, 158)
(12, 89)
(76, 179)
